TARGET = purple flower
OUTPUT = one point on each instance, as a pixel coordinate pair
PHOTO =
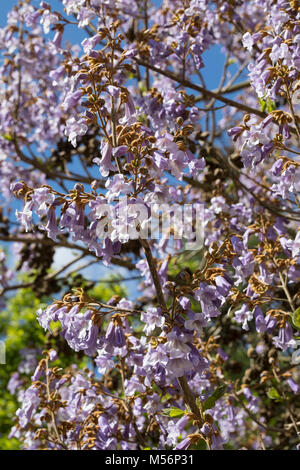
(49, 315)
(235, 132)
(57, 74)
(129, 111)
(58, 38)
(53, 356)
(293, 386)
(184, 444)
(14, 383)
(42, 198)
(30, 404)
(195, 321)
(32, 18)
(260, 321)
(196, 165)
(51, 225)
(79, 329)
(72, 99)
(216, 440)
(248, 41)
(223, 354)
(116, 186)
(243, 316)
(210, 300)
(37, 373)
(25, 216)
(285, 186)
(105, 162)
(153, 318)
(134, 385)
(114, 337)
(224, 284)
(74, 129)
(89, 43)
(284, 340)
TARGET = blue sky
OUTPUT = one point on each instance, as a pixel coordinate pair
(64, 255)
(214, 59)
(214, 62)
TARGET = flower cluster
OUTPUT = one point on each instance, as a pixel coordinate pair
(108, 148)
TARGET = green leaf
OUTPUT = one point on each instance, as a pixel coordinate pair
(231, 61)
(296, 318)
(142, 87)
(273, 394)
(211, 401)
(263, 104)
(173, 412)
(267, 104)
(142, 117)
(201, 445)
(270, 105)
(7, 137)
(253, 241)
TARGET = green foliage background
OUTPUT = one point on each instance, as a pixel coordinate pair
(20, 329)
